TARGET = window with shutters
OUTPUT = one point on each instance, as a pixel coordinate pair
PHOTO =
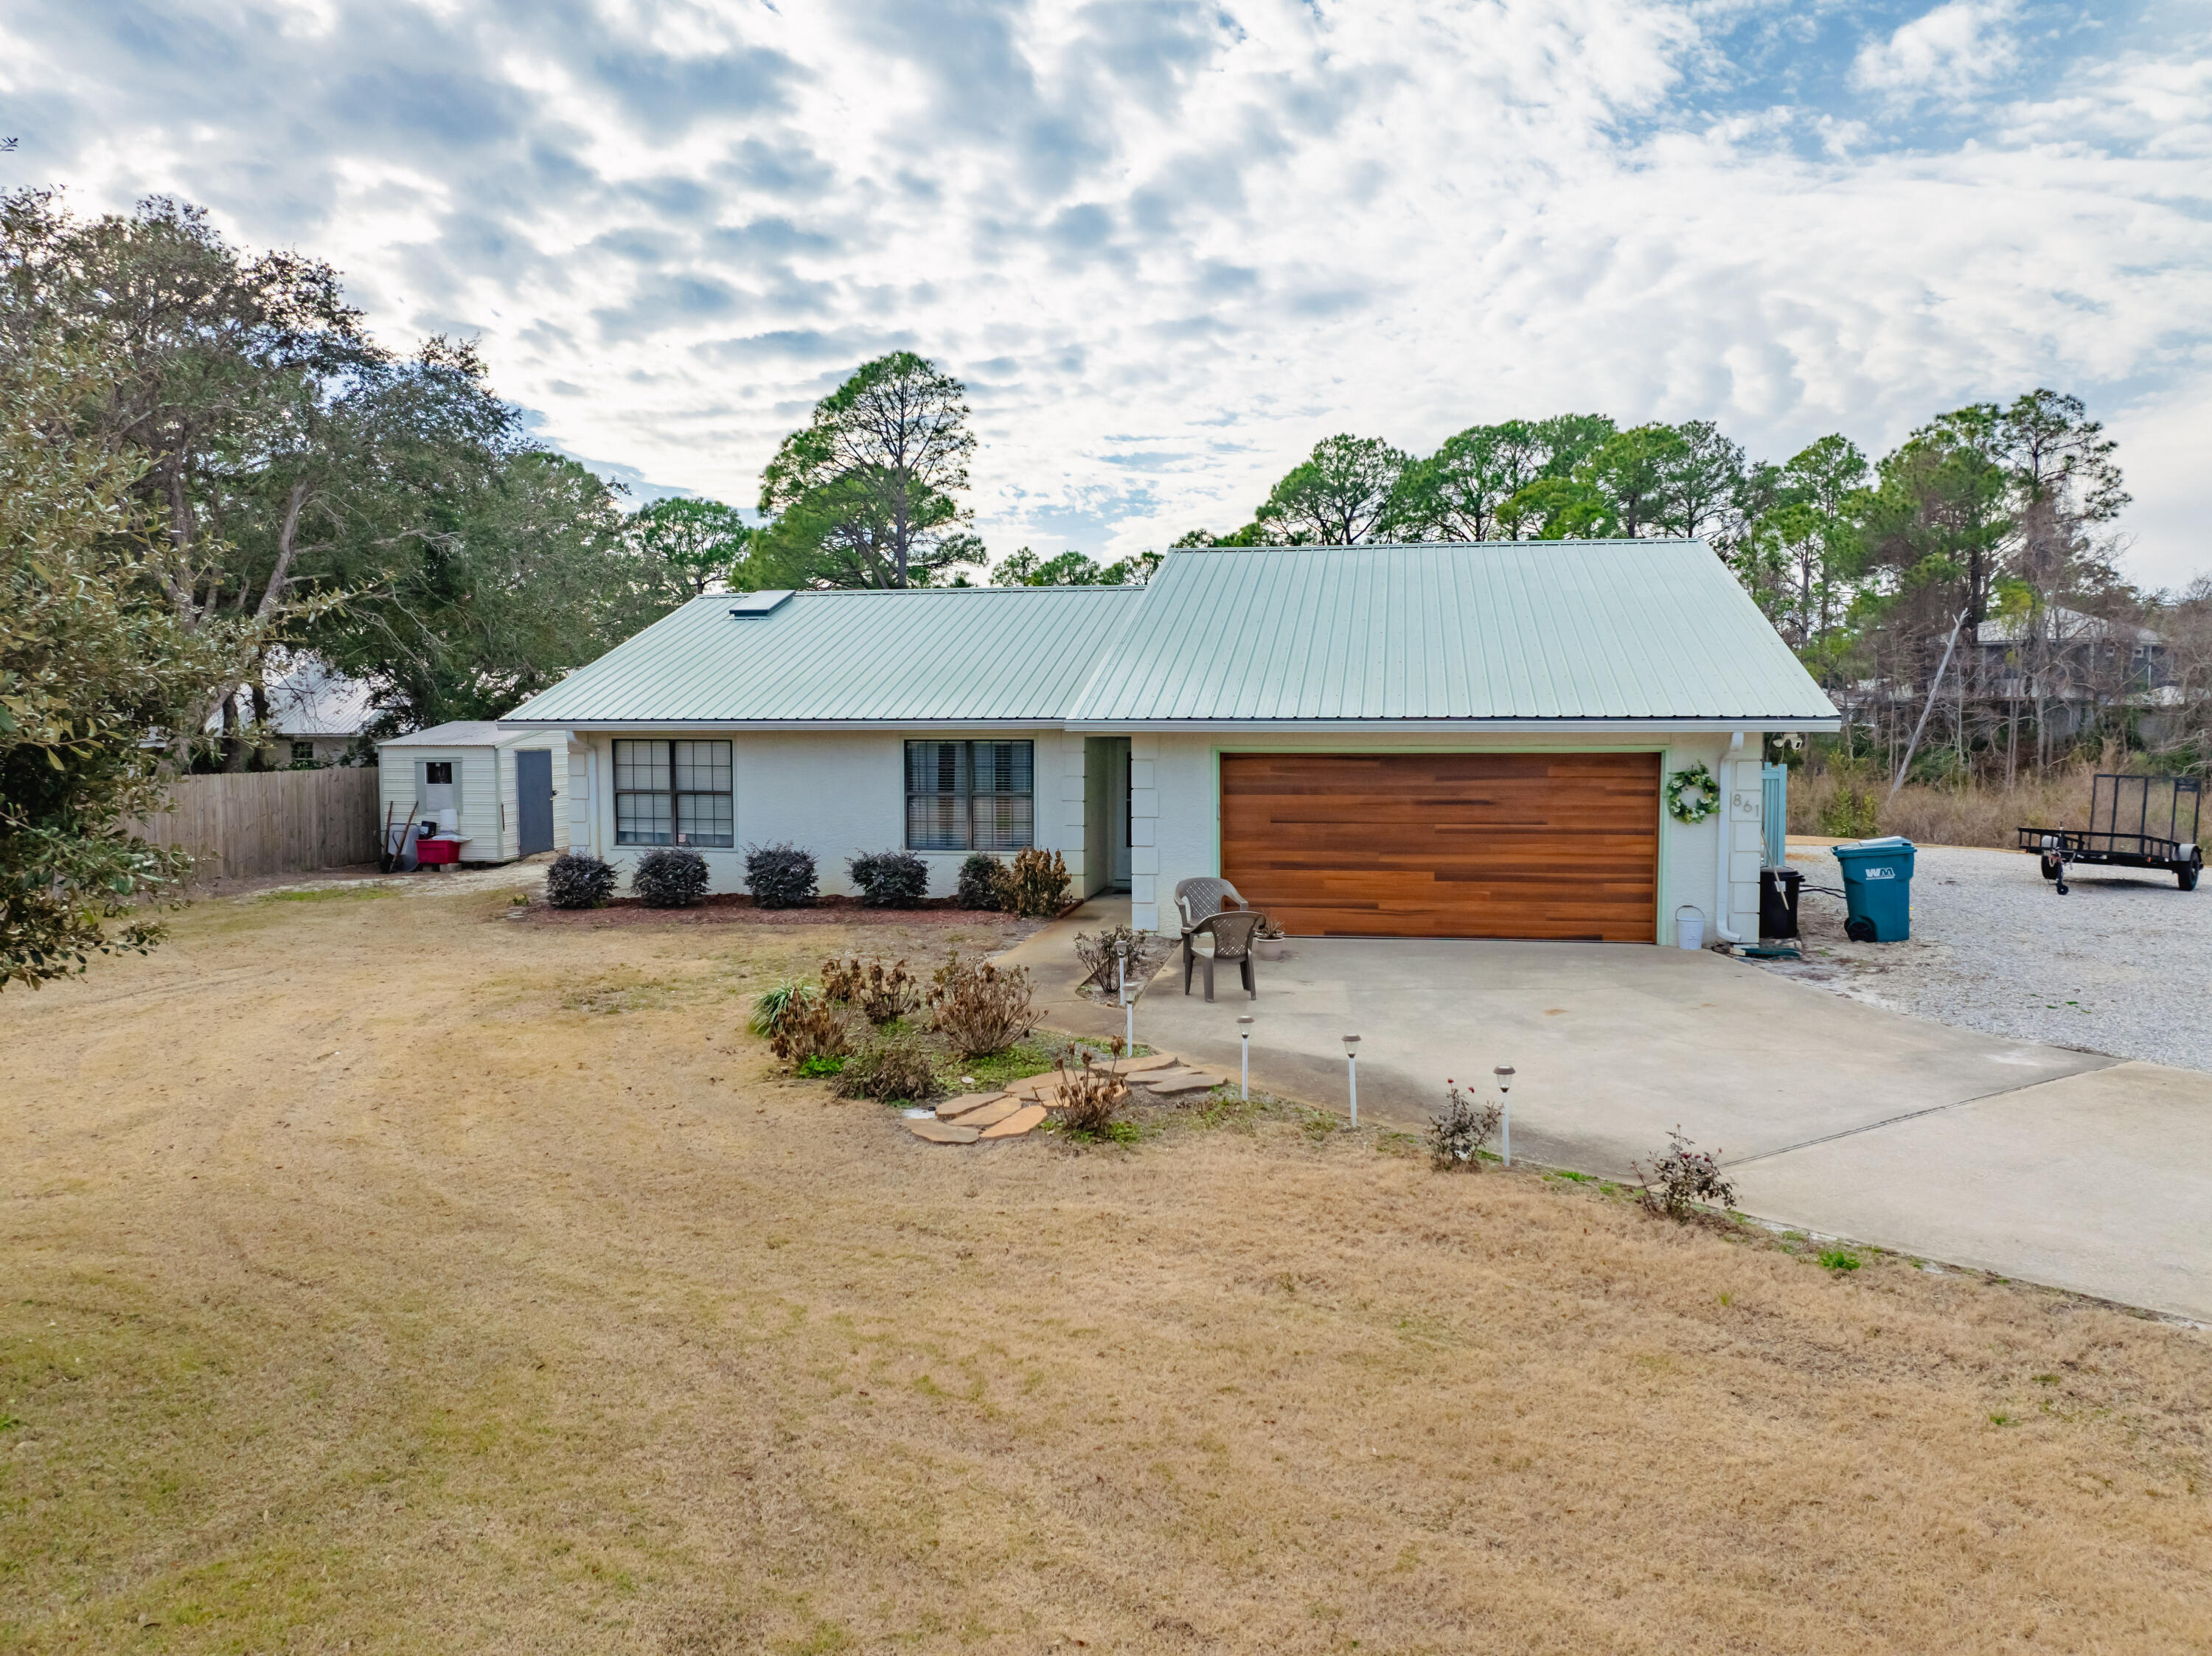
(674, 793)
(970, 796)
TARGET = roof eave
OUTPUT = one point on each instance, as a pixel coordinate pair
(1828, 725)
(1040, 721)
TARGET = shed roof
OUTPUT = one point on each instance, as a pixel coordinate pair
(1494, 630)
(926, 655)
(454, 733)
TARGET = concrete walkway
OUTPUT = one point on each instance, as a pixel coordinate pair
(2056, 1166)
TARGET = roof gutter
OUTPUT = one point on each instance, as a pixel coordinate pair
(1562, 726)
(1720, 907)
(1614, 725)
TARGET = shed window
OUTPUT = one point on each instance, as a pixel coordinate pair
(303, 750)
(674, 793)
(969, 796)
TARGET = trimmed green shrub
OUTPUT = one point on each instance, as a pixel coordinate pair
(890, 879)
(670, 876)
(982, 881)
(779, 877)
(578, 880)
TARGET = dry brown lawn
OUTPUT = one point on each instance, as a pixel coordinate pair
(381, 1275)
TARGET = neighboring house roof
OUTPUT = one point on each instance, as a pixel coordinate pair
(307, 698)
(2064, 625)
(454, 733)
(974, 655)
(1622, 631)
(1495, 630)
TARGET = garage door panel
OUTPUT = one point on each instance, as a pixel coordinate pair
(1452, 845)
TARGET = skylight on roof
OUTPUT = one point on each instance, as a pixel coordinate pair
(759, 604)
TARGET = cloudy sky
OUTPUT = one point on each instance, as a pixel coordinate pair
(1168, 245)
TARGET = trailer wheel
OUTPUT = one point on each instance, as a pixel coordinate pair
(2053, 867)
(2185, 875)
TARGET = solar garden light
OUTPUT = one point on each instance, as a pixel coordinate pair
(1129, 1006)
(1244, 1074)
(1351, 1074)
(1504, 1074)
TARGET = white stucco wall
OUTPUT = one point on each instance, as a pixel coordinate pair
(1175, 805)
(839, 793)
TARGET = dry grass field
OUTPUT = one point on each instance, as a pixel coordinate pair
(1968, 813)
(380, 1275)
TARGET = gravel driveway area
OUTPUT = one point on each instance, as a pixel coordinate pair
(2116, 966)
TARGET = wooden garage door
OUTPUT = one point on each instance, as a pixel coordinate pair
(1446, 844)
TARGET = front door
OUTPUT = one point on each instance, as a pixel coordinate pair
(533, 800)
(1117, 841)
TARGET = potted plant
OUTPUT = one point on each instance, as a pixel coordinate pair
(1270, 944)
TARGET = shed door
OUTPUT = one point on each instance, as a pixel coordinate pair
(533, 800)
(1557, 845)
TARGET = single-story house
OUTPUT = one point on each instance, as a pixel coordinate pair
(506, 788)
(315, 714)
(1439, 740)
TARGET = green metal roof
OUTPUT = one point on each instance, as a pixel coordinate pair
(1318, 635)
(1612, 630)
(974, 655)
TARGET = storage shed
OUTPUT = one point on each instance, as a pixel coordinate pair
(508, 789)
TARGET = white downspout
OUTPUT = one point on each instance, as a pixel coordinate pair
(1721, 911)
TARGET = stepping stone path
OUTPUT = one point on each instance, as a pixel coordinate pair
(953, 1108)
(1016, 1123)
(991, 1115)
(1178, 1081)
(1024, 1106)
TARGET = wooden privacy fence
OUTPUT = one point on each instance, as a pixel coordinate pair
(270, 822)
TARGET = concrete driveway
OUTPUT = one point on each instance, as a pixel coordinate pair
(2067, 1167)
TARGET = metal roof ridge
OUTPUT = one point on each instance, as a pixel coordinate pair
(1109, 647)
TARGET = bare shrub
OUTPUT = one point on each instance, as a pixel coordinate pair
(1089, 1094)
(1035, 885)
(1458, 1132)
(1681, 1179)
(883, 993)
(887, 1066)
(811, 1028)
(978, 1009)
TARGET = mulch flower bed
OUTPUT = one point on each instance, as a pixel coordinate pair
(737, 909)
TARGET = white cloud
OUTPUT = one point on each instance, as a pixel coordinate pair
(1170, 244)
(1953, 52)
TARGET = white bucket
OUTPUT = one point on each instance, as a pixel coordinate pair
(1689, 927)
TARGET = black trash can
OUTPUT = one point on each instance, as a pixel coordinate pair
(1777, 901)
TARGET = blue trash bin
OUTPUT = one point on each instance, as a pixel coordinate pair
(1877, 890)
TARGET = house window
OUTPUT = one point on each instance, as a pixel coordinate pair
(969, 796)
(674, 793)
(303, 750)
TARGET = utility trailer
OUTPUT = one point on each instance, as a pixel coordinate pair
(2134, 822)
